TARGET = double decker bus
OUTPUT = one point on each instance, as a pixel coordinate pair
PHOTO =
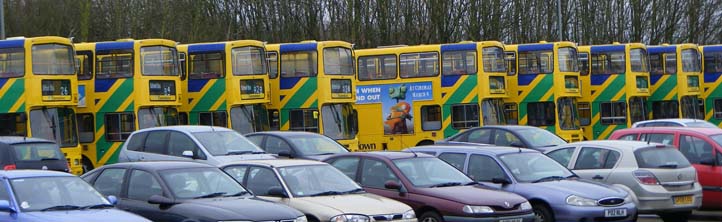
(615, 87)
(545, 87)
(414, 95)
(222, 79)
(37, 96)
(124, 85)
(675, 81)
(312, 89)
(712, 94)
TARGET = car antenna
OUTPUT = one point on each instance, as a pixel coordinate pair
(412, 151)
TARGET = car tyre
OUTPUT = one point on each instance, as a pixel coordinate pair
(430, 216)
(542, 213)
(675, 216)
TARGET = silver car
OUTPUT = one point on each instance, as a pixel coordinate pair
(663, 181)
(206, 144)
(698, 123)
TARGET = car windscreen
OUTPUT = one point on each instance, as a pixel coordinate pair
(201, 183)
(540, 137)
(316, 145)
(532, 167)
(37, 152)
(55, 193)
(317, 179)
(430, 172)
(221, 143)
(660, 157)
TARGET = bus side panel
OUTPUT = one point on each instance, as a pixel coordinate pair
(457, 90)
(205, 95)
(605, 88)
(111, 98)
(12, 94)
(664, 88)
(534, 88)
(713, 91)
(297, 93)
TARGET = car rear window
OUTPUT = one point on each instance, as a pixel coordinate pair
(37, 151)
(660, 157)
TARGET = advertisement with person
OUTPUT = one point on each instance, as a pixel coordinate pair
(396, 102)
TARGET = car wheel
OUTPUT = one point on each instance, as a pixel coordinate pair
(430, 216)
(542, 213)
(675, 217)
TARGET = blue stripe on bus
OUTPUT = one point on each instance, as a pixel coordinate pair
(2, 82)
(661, 49)
(103, 85)
(535, 47)
(205, 48)
(713, 48)
(525, 79)
(607, 48)
(599, 79)
(708, 77)
(195, 85)
(109, 46)
(287, 83)
(654, 78)
(17, 43)
(458, 47)
(297, 47)
(449, 80)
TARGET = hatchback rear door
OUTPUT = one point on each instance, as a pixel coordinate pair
(38, 155)
(667, 166)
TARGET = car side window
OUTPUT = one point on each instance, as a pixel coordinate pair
(375, 174)
(110, 181)
(505, 138)
(136, 142)
(261, 180)
(256, 139)
(562, 156)
(142, 185)
(156, 142)
(479, 136)
(631, 137)
(719, 158)
(4, 195)
(179, 142)
(696, 150)
(455, 159)
(663, 138)
(484, 168)
(275, 145)
(238, 173)
(347, 165)
(596, 158)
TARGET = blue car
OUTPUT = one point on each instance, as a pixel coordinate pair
(556, 194)
(45, 196)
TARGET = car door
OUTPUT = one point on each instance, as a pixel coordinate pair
(179, 142)
(484, 169)
(595, 163)
(563, 156)
(374, 174)
(475, 136)
(155, 147)
(505, 138)
(109, 181)
(140, 186)
(700, 152)
(133, 149)
(276, 145)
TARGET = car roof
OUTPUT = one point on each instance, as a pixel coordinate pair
(285, 133)
(276, 162)
(510, 127)
(707, 131)
(22, 139)
(622, 144)
(160, 165)
(676, 120)
(187, 128)
(12, 174)
(489, 150)
(392, 155)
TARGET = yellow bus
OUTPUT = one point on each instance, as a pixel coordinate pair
(615, 87)
(712, 95)
(312, 89)
(37, 78)
(413, 95)
(544, 85)
(124, 86)
(222, 79)
(675, 76)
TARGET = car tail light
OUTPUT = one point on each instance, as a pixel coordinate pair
(9, 167)
(646, 177)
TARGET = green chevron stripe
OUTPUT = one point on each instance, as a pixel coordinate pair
(12, 95)
(215, 93)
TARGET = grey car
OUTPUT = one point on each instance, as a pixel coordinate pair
(663, 181)
(516, 136)
(297, 144)
(206, 144)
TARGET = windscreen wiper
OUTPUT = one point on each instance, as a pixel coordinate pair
(61, 207)
(216, 194)
(448, 184)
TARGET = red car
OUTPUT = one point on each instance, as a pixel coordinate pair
(701, 146)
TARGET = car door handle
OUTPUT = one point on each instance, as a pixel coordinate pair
(598, 177)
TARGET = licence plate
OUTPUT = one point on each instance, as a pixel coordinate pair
(512, 220)
(683, 200)
(622, 212)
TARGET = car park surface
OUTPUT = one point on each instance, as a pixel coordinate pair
(556, 194)
(434, 189)
(41, 196)
(317, 189)
(184, 191)
(507, 135)
(662, 180)
(17, 152)
(296, 144)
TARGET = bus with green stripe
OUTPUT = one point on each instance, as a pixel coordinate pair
(544, 86)
(674, 77)
(712, 94)
(615, 87)
(312, 89)
(225, 84)
(37, 96)
(414, 95)
(125, 85)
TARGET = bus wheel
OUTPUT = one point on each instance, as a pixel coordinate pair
(425, 143)
(87, 165)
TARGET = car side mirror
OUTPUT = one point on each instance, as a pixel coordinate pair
(502, 181)
(158, 199)
(392, 185)
(517, 144)
(277, 191)
(189, 154)
(286, 154)
(5, 206)
(112, 199)
(707, 160)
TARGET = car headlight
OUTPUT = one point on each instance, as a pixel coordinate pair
(477, 209)
(580, 201)
(628, 198)
(525, 206)
(351, 218)
(301, 219)
(409, 214)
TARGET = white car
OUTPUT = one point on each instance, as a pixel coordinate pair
(675, 123)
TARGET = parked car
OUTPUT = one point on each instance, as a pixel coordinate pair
(184, 191)
(206, 144)
(42, 196)
(697, 123)
(515, 136)
(434, 189)
(296, 144)
(701, 146)
(318, 190)
(18, 152)
(662, 180)
(526, 172)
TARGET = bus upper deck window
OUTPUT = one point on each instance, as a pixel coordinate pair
(511, 63)
(12, 62)
(670, 63)
(583, 59)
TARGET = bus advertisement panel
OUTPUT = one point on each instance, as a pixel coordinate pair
(395, 100)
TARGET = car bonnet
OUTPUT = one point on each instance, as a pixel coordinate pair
(104, 215)
(366, 203)
(474, 195)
